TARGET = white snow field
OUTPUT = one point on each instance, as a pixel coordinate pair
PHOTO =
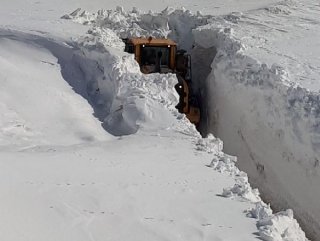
(91, 149)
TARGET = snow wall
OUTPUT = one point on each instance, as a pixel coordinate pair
(271, 125)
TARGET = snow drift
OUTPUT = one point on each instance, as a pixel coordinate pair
(31, 83)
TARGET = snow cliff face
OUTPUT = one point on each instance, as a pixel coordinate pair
(263, 116)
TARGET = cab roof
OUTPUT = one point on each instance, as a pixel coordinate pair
(151, 41)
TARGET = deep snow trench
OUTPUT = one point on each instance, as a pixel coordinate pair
(265, 119)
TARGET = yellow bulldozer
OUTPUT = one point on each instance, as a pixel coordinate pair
(159, 55)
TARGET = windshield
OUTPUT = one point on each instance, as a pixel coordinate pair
(150, 54)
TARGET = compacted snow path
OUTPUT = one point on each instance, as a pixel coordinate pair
(134, 188)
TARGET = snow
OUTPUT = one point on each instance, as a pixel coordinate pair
(136, 187)
(288, 35)
(272, 228)
(92, 149)
(31, 84)
(261, 108)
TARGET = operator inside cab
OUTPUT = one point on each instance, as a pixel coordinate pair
(155, 60)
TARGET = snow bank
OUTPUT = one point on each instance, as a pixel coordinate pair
(123, 98)
(32, 82)
(266, 119)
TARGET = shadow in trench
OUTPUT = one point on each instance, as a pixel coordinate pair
(202, 59)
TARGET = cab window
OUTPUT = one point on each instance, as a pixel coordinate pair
(150, 54)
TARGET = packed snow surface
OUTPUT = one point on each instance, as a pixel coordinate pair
(91, 149)
(135, 187)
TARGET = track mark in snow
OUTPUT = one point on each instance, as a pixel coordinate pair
(45, 62)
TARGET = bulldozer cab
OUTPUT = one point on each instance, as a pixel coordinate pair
(153, 55)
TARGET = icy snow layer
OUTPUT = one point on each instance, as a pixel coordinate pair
(170, 23)
(263, 111)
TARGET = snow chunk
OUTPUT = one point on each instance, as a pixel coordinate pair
(209, 144)
(242, 189)
(83, 17)
(281, 227)
(260, 211)
(225, 164)
(276, 227)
